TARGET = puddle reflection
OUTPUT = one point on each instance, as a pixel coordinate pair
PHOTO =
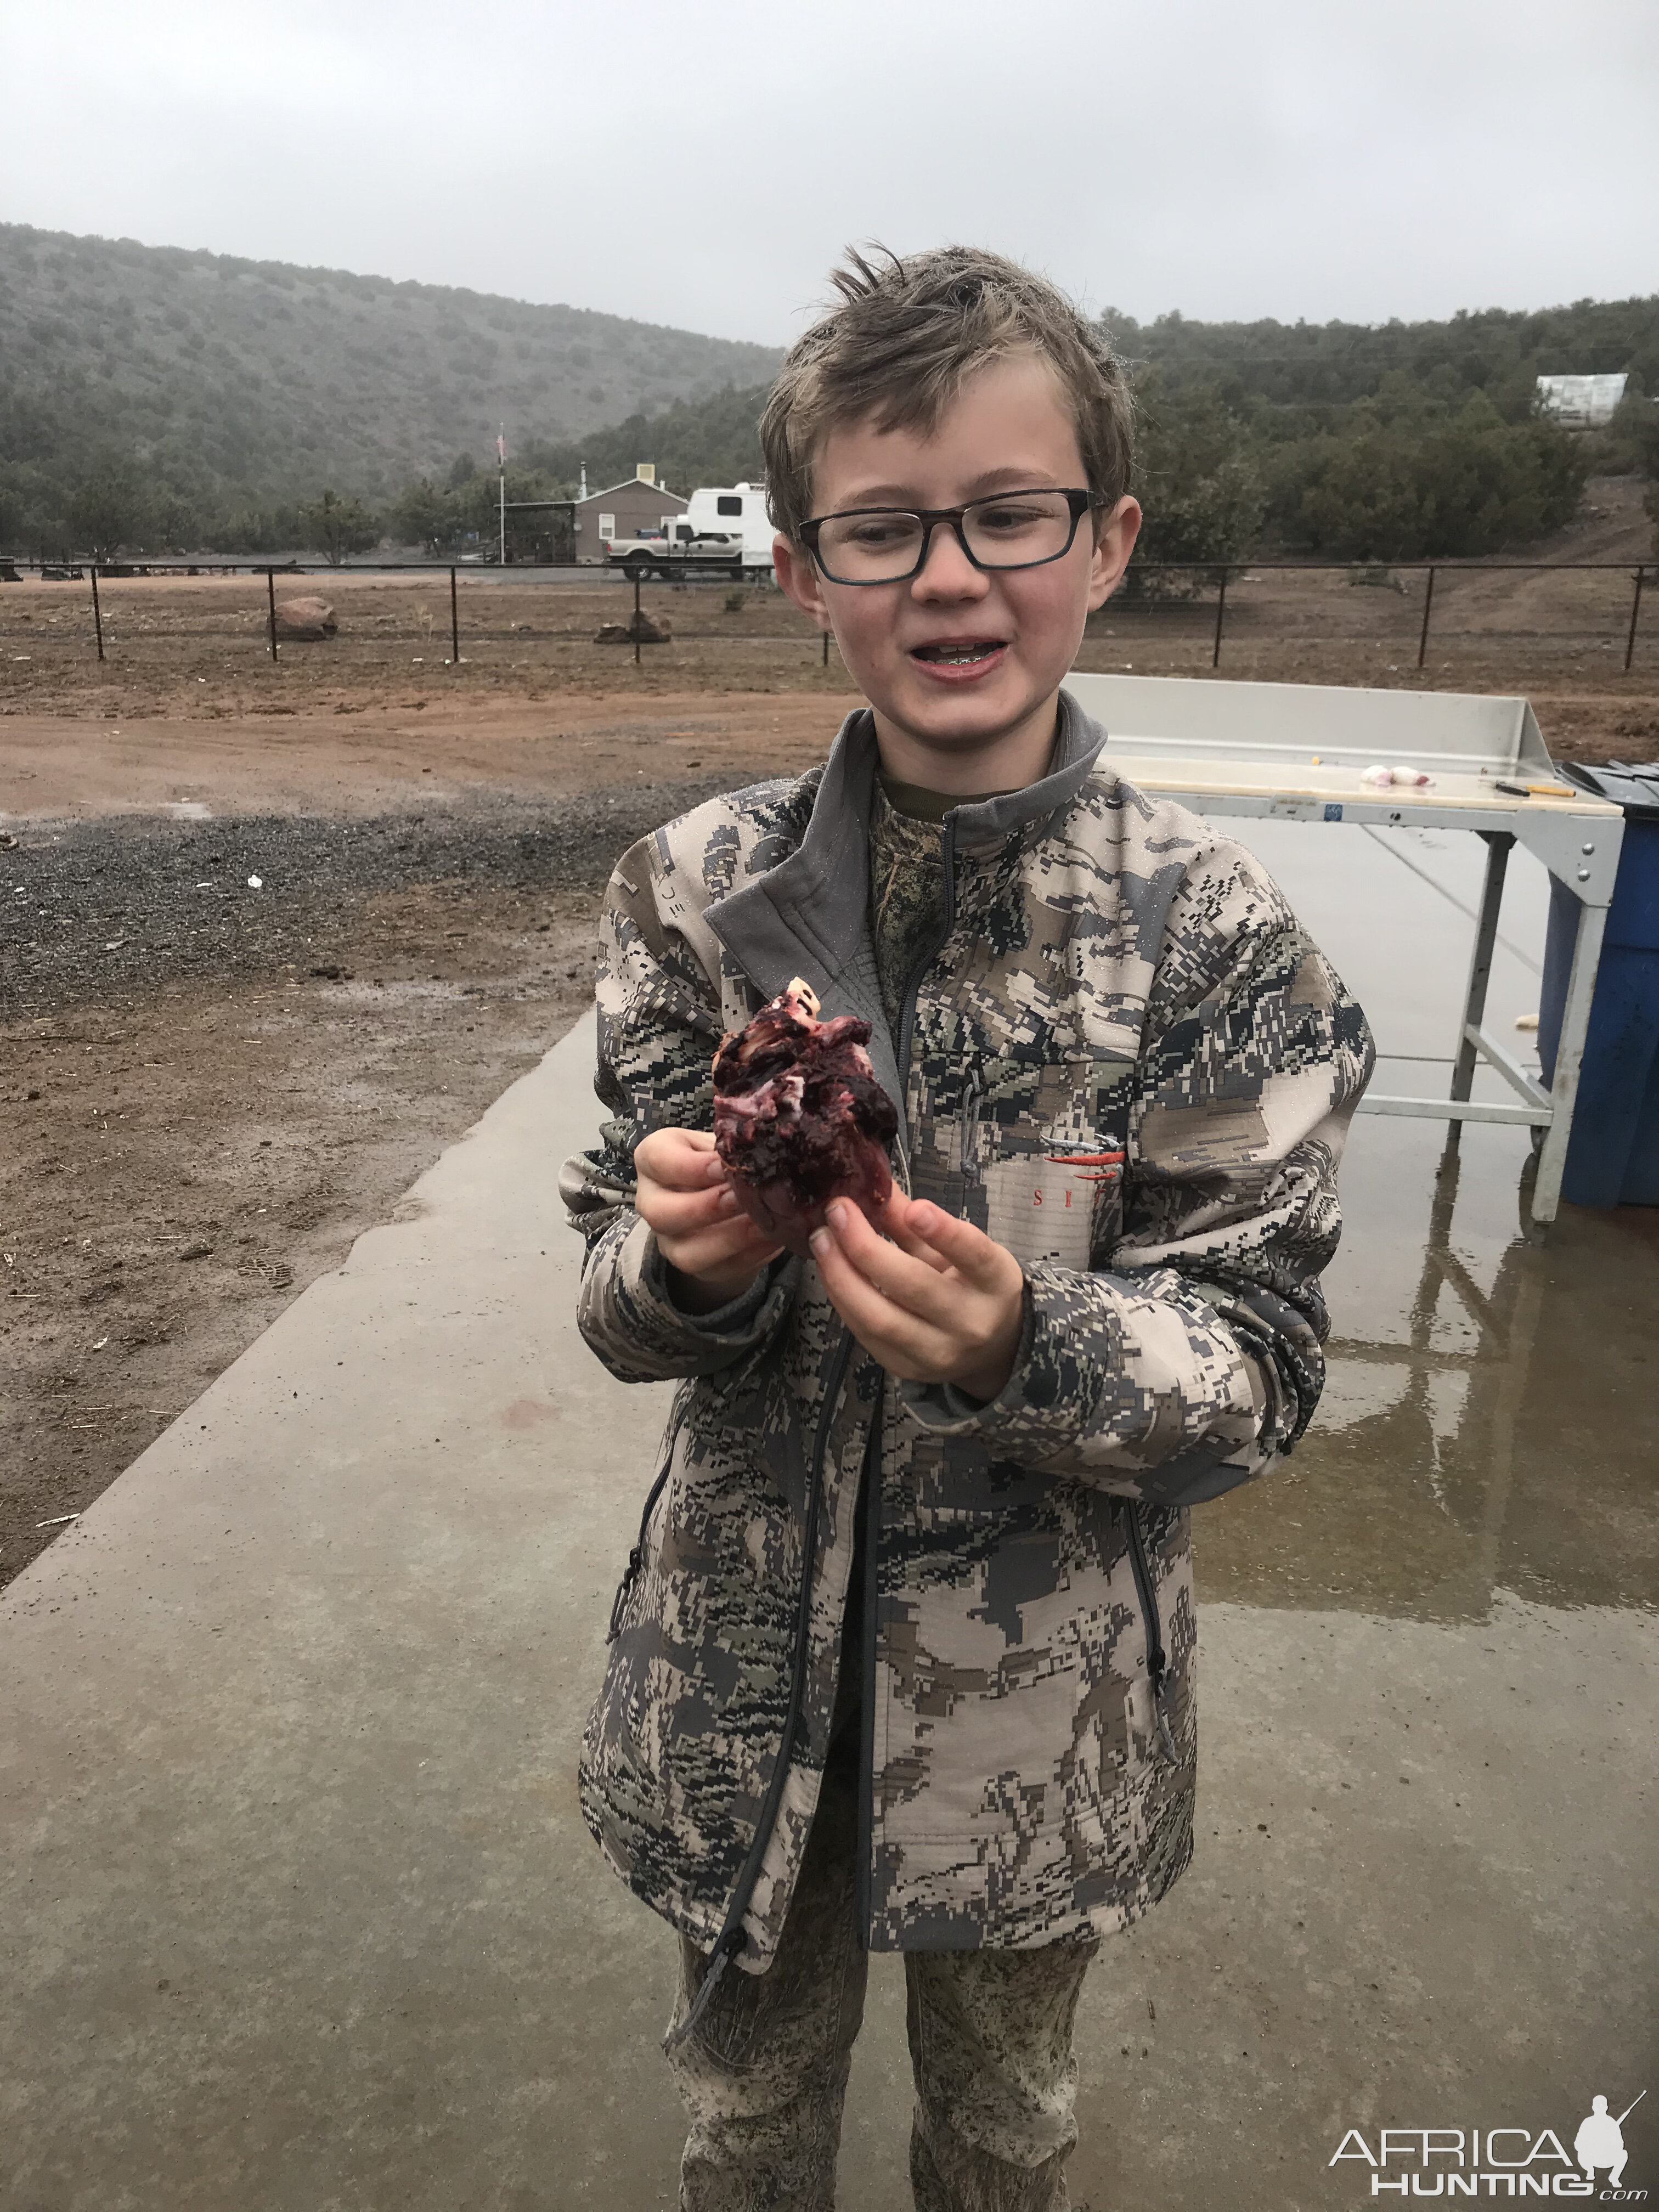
(1490, 1422)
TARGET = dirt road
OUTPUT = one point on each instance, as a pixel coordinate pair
(374, 758)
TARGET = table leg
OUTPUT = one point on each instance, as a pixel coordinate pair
(1486, 938)
(1569, 1057)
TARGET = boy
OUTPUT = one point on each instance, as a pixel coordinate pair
(904, 1656)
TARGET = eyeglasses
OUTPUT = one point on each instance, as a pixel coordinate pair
(891, 544)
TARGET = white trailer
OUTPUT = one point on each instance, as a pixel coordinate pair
(736, 510)
(724, 532)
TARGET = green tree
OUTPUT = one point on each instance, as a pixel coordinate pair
(110, 507)
(1427, 485)
(1629, 444)
(1199, 485)
(338, 527)
(423, 515)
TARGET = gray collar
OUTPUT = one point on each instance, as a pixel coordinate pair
(809, 915)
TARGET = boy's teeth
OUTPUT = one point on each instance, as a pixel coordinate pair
(954, 651)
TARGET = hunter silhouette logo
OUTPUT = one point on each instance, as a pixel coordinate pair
(1498, 2161)
(1601, 2142)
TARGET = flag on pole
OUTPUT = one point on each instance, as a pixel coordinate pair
(500, 449)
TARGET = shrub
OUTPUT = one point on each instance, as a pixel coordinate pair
(1425, 486)
(338, 527)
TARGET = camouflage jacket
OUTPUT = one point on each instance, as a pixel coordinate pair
(1126, 1062)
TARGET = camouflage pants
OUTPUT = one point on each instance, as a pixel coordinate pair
(764, 2073)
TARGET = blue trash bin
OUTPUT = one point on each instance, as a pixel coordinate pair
(1612, 1158)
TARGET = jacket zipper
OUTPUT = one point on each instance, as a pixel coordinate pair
(871, 1502)
(872, 1471)
(636, 1557)
(908, 1012)
(732, 1937)
(1156, 1663)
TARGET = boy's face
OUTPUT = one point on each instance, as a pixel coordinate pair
(985, 721)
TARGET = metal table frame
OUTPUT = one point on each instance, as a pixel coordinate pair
(1293, 752)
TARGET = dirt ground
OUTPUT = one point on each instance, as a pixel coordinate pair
(532, 696)
(211, 1085)
(211, 1088)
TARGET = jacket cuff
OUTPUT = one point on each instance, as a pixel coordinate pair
(731, 1319)
(1111, 1372)
(647, 1307)
(944, 1407)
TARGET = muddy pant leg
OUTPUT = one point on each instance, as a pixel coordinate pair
(764, 2074)
(991, 2043)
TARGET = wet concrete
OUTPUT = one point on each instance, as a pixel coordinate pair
(300, 1912)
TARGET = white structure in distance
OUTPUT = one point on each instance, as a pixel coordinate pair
(1581, 402)
(735, 510)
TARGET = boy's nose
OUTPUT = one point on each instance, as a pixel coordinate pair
(947, 572)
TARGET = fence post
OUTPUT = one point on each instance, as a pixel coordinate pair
(1220, 617)
(1630, 640)
(98, 619)
(826, 650)
(270, 595)
(1423, 634)
(636, 618)
(454, 625)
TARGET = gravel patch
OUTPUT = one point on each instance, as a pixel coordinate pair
(106, 910)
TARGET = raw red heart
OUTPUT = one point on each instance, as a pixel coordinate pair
(799, 1117)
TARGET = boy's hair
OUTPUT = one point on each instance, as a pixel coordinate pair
(902, 341)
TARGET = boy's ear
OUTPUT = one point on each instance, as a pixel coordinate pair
(1114, 541)
(797, 574)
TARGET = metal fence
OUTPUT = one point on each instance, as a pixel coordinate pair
(468, 608)
(1380, 573)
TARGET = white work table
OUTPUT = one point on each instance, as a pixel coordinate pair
(1297, 752)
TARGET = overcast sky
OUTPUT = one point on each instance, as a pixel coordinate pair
(701, 162)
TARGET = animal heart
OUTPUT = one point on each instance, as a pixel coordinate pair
(800, 1118)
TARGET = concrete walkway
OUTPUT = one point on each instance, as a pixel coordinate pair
(300, 1913)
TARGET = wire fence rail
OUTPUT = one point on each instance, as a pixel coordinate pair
(1219, 572)
(598, 593)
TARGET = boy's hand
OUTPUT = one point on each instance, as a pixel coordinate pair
(938, 1303)
(709, 1243)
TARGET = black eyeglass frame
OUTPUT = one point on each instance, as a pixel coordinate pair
(1079, 502)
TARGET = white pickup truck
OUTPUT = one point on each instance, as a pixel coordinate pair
(681, 551)
(724, 532)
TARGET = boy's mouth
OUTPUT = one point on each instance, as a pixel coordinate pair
(957, 653)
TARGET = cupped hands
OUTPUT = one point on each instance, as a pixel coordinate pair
(712, 1248)
(933, 1299)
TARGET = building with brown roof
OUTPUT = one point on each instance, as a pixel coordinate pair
(624, 510)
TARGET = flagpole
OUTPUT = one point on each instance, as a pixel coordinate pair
(500, 455)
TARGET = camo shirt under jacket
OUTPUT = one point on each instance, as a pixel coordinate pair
(1126, 1062)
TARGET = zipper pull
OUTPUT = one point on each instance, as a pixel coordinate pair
(630, 1576)
(968, 1116)
(1156, 1660)
(724, 1950)
(1165, 1740)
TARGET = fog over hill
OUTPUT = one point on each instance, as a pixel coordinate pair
(253, 380)
(152, 398)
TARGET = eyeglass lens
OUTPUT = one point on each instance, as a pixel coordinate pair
(1001, 533)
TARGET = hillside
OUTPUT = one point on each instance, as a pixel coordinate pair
(152, 396)
(254, 382)
(1495, 351)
